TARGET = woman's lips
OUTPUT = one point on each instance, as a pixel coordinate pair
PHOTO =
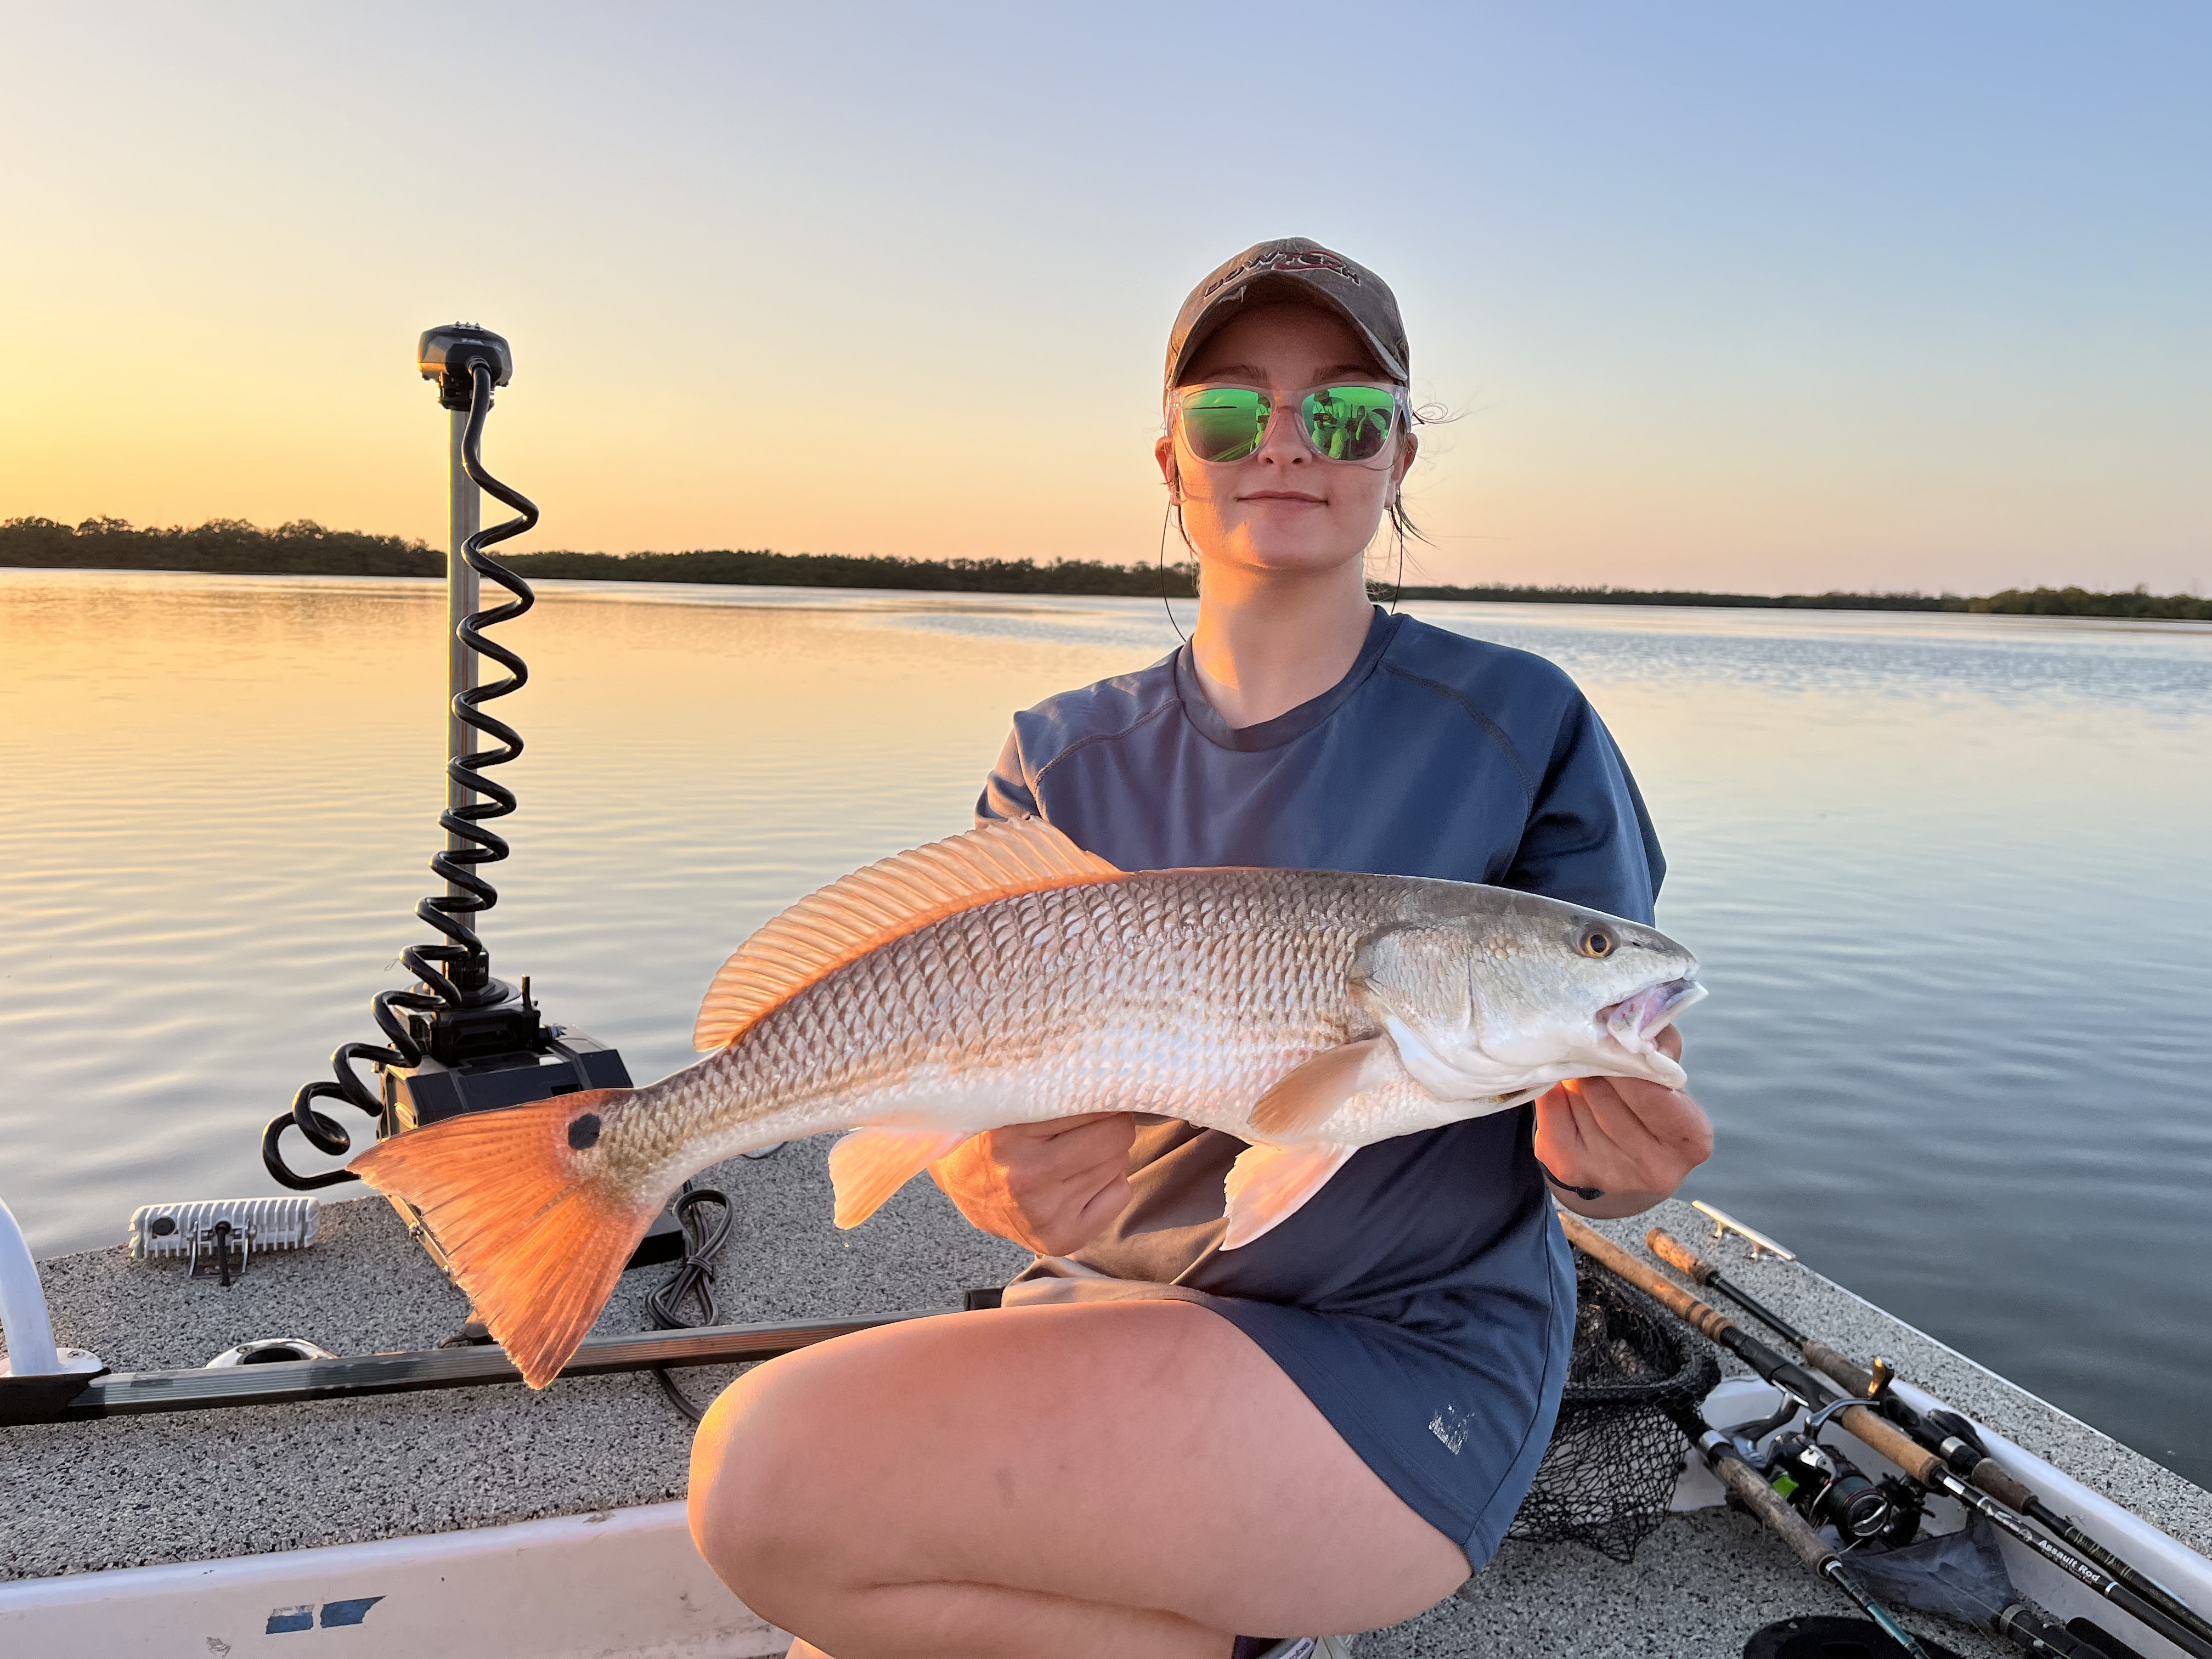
(1283, 496)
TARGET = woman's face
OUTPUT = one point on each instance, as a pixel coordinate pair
(1283, 507)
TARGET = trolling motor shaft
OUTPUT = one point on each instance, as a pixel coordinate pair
(469, 364)
(450, 357)
(459, 1040)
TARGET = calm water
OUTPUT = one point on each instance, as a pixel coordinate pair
(1949, 876)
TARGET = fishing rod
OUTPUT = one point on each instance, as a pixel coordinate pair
(1945, 1433)
(1739, 1475)
(1698, 1271)
(1818, 1395)
(2026, 1625)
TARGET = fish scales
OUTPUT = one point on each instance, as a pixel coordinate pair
(1173, 991)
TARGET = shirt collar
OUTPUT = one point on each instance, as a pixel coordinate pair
(1293, 722)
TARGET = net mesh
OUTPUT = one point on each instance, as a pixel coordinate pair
(1610, 1471)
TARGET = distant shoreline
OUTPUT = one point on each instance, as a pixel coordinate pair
(231, 547)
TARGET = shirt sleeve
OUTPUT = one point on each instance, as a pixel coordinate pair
(1006, 792)
(1589, 839)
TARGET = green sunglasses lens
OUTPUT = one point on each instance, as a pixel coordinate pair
(1349, 423)
(1225, 423)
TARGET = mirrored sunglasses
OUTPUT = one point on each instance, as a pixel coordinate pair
(1224, 423)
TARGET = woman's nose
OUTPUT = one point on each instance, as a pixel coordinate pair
(1281, 442)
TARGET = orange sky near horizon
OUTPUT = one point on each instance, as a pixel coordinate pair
(1738, 301)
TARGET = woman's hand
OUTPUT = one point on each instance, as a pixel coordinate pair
(1634, 1140)
(1052, 1186)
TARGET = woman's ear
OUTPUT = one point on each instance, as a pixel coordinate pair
(1164, 452)
(1412, 447)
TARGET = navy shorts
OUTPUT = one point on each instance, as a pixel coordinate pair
(1456, 1436)
(1461, 1451)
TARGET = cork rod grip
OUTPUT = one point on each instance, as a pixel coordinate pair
(1852, 1376)
(1769, 1505)
(1892, 1441)
(2001, 1487)
(1599, 1249)
(1680, 1256)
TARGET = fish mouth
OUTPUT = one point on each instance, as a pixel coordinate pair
(1635, 1022)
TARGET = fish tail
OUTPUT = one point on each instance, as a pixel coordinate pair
(535, 1239)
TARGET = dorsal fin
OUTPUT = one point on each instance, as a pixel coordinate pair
(850, 917)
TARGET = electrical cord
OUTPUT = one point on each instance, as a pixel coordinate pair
(456, 974)
(692, 1282)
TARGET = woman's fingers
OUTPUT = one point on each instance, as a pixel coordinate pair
(1065, 1147)
(1664, 1118)
(1098, 1213)
(1621, 1134)
(1558, 1135)
(1077, 1194)
(1053, 1187)
(1612, 1120)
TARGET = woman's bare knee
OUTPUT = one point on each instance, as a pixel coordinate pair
(1027, 1451)
(748, 1509)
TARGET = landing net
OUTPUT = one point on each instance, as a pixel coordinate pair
(1610, 1471)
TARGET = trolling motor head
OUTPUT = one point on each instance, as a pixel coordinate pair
(449, 355)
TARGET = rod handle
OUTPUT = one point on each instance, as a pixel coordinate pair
(1768, 1504)
(2029, 1627)
(1893, 1442)
(1680, 1256)
(1703, 1320)
(1852, 1378)
(2004, 1487)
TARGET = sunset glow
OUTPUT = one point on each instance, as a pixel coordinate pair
(1732, 298)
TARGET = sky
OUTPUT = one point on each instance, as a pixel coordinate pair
(1881, 295)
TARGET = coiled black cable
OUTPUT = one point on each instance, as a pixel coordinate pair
(693, 1281)
(456, 974)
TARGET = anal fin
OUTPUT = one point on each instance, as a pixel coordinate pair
(1267, 1185)
(869, 1164)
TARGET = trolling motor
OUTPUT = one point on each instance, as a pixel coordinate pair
(461, 1040)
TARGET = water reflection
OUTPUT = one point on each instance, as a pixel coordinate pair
(1947, 874)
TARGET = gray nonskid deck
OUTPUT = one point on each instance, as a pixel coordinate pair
(131, 1491)
(202, 1485)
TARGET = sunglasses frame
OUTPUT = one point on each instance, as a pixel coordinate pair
(1402, 421)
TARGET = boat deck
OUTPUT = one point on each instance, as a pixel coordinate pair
(194, 1486)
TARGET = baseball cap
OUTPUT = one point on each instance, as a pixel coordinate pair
(1291, 268)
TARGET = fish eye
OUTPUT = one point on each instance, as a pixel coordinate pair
(1596, 941)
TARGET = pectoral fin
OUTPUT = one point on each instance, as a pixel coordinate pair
(1268, 1184)
(1304, 1099)
(868, 1165)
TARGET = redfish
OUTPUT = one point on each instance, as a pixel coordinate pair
(1006, 975)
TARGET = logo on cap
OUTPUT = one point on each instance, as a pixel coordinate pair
(1287, 259)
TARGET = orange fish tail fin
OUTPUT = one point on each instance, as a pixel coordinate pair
(535, 1240)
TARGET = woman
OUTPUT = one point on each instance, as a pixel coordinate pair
(1157, 1444)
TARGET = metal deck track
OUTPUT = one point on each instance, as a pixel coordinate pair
(54, 1400)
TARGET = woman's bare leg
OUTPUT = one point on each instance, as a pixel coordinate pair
(1094, 1479)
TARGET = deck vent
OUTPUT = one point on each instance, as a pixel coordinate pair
(209, 1232)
